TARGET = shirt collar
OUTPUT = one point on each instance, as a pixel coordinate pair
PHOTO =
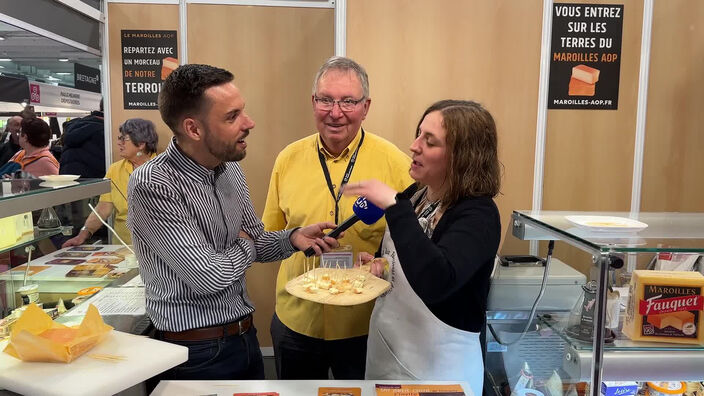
(188, 166)
(345, 152)
(130, 166)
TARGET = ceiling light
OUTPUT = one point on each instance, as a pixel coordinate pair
(63, 73)
(5, 60)
(2, 67)
(63, 59)
(2, 38)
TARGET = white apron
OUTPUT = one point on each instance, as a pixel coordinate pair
(407, 342)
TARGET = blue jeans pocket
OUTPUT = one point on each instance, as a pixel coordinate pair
(200, 354)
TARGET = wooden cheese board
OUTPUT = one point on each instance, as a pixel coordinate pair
(337, 286)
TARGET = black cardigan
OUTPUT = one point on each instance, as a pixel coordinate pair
(450, 272)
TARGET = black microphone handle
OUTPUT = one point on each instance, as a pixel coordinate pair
(335, 232)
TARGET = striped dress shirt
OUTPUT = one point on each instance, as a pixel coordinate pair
(185, 221)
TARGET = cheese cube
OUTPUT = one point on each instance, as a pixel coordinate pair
(665, 306)
(168, 65)
(585, 74)
(580, 88)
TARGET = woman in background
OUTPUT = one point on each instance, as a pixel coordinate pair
(137, 144)
(35, 157)
(440, 243)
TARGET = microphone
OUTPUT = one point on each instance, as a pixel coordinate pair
(364, 210)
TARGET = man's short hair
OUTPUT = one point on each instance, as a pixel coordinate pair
(341, 63)
(37, 131)
(182, 93)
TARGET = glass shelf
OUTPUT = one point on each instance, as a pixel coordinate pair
(666, 232)
(558, 323)
(25, 195)
(36, 236)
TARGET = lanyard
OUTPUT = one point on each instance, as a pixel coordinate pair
(345, 178)
(426, 214)
(429, 208)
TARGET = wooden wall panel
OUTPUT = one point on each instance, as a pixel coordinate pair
(417, 52)
(122, 16)
(274, 53)
(589, 153)
(673, 165)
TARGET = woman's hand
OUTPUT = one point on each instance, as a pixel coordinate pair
(313, 236)
(363, 258)
(376, 265)
(375, 191)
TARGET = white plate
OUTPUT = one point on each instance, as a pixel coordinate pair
(606, 223)
(59, 178)
(57, 184)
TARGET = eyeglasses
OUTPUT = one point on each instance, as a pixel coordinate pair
(123, 138)
(327, 104)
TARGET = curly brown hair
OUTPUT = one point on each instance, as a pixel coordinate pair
(473, 163)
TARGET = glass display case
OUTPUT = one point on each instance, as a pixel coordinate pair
(559, 347)
(18, 198)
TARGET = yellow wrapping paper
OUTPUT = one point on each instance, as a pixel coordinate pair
(37, 338)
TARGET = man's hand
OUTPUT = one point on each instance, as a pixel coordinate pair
(313, 235)
(245, 235)
(375, 191)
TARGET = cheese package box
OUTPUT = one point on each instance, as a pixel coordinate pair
(665, 306)
(619, 388)
(585, 73)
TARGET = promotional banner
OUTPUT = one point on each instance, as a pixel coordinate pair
(56, 97)
(148, 57)
(86, 78)
(585, 56)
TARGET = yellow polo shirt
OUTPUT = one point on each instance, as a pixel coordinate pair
(119, 172)
(299, 196)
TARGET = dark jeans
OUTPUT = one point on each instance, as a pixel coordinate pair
(235, 357)
(301, 357)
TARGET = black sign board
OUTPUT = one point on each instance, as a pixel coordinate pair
(585, 56)
(148, 57)
(86, 78)
(14, 89)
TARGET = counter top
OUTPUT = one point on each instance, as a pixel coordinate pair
(283, 387)
(90, 376)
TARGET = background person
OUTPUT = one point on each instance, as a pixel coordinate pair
(440, 245)
(35, 157)
(309, 338)
(83, 151)
(11, 144)
(137, 143)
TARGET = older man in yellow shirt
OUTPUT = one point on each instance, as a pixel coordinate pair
(310, 338)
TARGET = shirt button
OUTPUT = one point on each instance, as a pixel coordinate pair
(332, 213)
(334, 186)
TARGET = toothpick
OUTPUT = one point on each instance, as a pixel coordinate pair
(110, 228)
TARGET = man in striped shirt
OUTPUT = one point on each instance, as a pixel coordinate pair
(195, 231)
